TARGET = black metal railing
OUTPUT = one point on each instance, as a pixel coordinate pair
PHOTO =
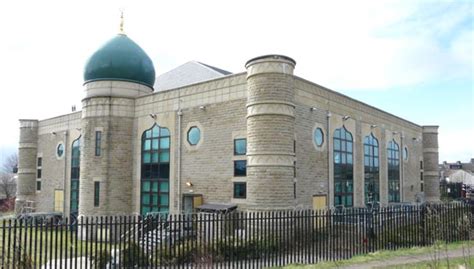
(239, 239)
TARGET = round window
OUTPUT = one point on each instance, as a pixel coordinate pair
(60, 150)
(405, 153)
(194, 135)
(318, 137)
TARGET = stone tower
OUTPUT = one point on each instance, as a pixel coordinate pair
(270, 132)
(114, 76)
(430, 163)
(27, 151)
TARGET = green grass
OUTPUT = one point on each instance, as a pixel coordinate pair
(467, 262)
(47, 243)
(383, 255)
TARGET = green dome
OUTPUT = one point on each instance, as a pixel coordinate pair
(120, 59)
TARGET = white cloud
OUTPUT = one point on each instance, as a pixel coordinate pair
(456, 144)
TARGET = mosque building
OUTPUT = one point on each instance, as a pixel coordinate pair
(262, 139)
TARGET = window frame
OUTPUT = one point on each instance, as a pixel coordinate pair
(96, 193)
(393, 171)
(98, 143)
(75, 177)
(343, 169)
(189, 131)
(245, 168)
(241, 183)
(371, 168)
(316, 130)
(235, 147)
(155, 171)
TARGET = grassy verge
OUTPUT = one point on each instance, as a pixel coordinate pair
(384, 255)
(41, 244)
(467, 262)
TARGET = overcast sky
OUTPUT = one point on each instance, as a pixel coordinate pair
(410, 58)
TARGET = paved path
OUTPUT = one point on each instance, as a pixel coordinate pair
(408, 259)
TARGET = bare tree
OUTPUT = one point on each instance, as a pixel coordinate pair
(9, 164)
(7, 185)
(7, 176)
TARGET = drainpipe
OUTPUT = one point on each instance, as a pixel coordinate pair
(328, 141)
(180, 116)
(65, 169)
(402, 177)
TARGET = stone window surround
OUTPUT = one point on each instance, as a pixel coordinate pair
(201, 140)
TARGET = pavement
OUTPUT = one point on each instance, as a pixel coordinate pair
(409, 259)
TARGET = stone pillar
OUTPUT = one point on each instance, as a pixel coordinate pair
(270, 132)
(430, 163)
(113, 115)
(27, 151)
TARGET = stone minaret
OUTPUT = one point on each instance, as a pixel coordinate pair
(270, 132)
(430, 163)
(113, 116)
(27, 151)
(115, 75)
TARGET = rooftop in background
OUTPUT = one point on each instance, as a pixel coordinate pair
(186, 74)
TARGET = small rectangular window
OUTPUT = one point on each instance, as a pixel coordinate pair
(240, 168)
(96, 193)
(421, 187)
(421, 164)
(40, 161)
(38, 185)
(294, 190)
(240, 146)
(240, 190)
(98, 142)
(38, 173)
(294, 169)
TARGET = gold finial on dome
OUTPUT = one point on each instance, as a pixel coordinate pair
(121, 22)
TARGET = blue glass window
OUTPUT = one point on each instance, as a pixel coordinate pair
(240, 146)
(318, 137)
(393, 172)
(240, 168)
(194, 135)
(240, 190)
(75, 173)
(155, 170)
(371, 169)
(343, 168)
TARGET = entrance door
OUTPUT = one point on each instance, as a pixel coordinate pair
(188, 204)
(320, 203)
(58, 200)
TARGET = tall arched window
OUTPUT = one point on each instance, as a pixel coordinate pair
(371, 169)
(393, 156)
(75, 170)
(343, 168)
(155, 172)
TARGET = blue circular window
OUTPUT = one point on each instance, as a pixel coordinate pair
(194, 135)
(60, 150)
(318, 137)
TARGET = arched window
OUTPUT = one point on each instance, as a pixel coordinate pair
(343, 168)
(371, 169)
(75, 171)
(155, 172)
(393, 157)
